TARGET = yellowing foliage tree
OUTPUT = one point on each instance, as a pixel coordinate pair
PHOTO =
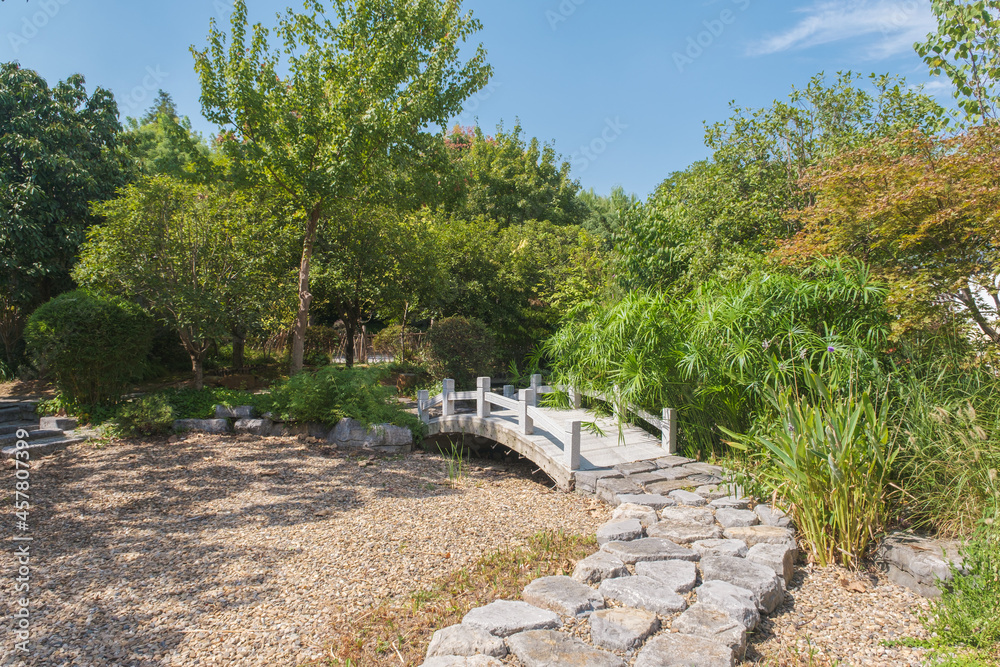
(924, 212)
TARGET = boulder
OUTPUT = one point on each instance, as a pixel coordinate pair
(778, 557)
(733, 518)
(760, 580)
(204, 425)
(389, 438)
(702, 620)
(772, 516)
(622, 530)
(761, 535)
(738, 603)
(348, 433)
(254, 426)
(646, 515)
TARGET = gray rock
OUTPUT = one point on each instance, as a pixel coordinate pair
(679, 576)
(622, 628)
(672, 461)
(609, 488)
(732, 518)
(700, 515)
(253, 426)
(730, 502)
(771, 516)
(651, 477)
(563, 595)
(644, 593)
(237, 412)
(710, 492)
(389, 438)
(462, 661)
(635, 467)
(545, 648)
(652, 500)
(738, 603)
(586, 480)
(465, 640)
(674, 474)
(702, 479)
(57, 423)
(662, 488)
(734, 548)
(919, 563)
(348, 433)
(705, 469)
(677, 650)
(205, 425)
(646, 515)
(702, 620)
(687, 498)
(758, 579)
(778, 557)
(622, 530)
(599, 566)
(647, 549)
(507, 617)
(761, 535)
(684, 533)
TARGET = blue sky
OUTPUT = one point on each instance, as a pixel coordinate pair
(621, 88)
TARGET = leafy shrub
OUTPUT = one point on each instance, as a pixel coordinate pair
(830, 461)
(200, 403)
(149, 415)
(461, 349)
(94, 345)
(393, 342)
(331, 393)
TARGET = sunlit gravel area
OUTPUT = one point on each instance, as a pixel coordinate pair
(226, 550)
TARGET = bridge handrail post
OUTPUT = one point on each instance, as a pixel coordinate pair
(525, 397)
(423, 398)
(575, 397)
(483, 386)
(535, 386)
(668, 431)
(571, 446)
(447, 397)
(509, 391)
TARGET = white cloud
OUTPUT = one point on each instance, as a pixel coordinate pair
(892, 27)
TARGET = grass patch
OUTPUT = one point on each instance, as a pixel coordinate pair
(398, 631)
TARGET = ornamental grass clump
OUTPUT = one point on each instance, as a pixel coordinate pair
(828, 457)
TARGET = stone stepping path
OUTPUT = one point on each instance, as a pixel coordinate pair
(686, 568)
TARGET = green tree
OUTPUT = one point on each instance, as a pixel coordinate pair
(308, 119)
(604, 214)
(966, 48)
(61, 150)
(191, 255)
(164, 144)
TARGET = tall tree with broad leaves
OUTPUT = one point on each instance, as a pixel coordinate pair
(349, 84)
(966, 49)
(61, 150)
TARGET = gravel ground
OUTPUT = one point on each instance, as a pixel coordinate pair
(244, 550)
(222, 550)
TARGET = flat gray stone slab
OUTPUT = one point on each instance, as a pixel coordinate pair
(599, 566)
(546, 648)
(732, 502)
(684, 533)
(778, 557)
(622, 628)
(204, 425)
(688, 498)
(644, 593)
(57, 423)
(704, 468)
(621, 530)
(664, 488)
(672, 461)
(678, 650)
(647, 549)
(680, 576)
(733, 518)
(723, 547)
(609, 488)
(644, 478)
(635, 467)
(253, 426)
(676, 474)
(563, 595)
(507, 617)
(702, 620)
(586, 480)
(710, 491)
(761, 535)
(919, 563)
(646, 515)
(700, 515)
(738, 603)
(465, 640)
(758, 579)
(702, 478)
(462, 661)
(652, 500)
(770, 516)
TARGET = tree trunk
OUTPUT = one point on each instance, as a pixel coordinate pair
(305, 298)
(239, 346)
(199, 370)
(968, 299)
(350, 326)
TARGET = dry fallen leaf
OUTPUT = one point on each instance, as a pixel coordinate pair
(855, 586)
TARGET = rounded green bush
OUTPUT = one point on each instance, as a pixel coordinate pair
(93, 345)
(461, 349)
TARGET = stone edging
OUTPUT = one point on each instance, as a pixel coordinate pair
(921, 564)
(693, 572)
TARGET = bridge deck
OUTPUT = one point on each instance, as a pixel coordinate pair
(546, 449)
